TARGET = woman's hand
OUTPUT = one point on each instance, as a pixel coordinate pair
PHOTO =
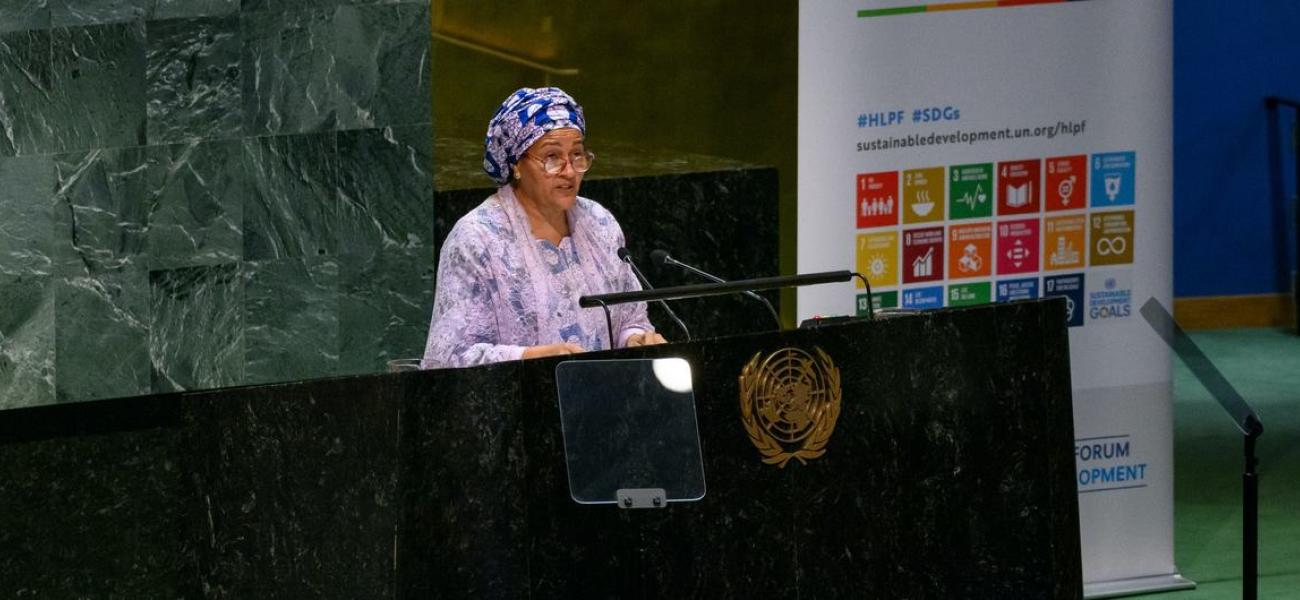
(648, 338)
(557, 349)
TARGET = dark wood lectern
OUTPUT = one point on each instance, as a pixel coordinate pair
(948, 475)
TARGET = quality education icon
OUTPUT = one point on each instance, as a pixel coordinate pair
(789, 404)
(1018, 183)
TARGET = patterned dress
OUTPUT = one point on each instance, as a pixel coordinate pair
(500, 290)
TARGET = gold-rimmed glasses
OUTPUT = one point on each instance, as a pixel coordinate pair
(554, 162)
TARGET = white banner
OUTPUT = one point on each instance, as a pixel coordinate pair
(962, 153)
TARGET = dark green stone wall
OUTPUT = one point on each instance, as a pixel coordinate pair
(204, 193)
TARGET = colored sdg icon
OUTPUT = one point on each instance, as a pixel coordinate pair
(1113, 179)
(1071, 288)
(923, 255)
(969, 294)
(877, 201)
(1017, 289)
(1017, 246)
(1064, 245)
(1065, 187)
(881, 299)
(877, 258)
(1018, 187)
(923, 298)
(1112, 238)
(923, 198)
(970, 191)
(970, 251)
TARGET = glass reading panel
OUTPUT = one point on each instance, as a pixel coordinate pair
(629, 425)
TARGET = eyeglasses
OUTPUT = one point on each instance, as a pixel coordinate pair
(553, 163)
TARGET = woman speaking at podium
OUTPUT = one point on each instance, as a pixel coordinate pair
(512, 270)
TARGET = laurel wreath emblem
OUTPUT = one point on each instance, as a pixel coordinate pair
(789, 404)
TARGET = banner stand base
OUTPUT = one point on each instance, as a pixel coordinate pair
(1136, 585)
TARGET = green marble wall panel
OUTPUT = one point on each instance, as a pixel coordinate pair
(101, 212)
(98, 81)
(26, 214)
(71, 13)
(387, 262)
(206, 193)
(197, 192)
(291, 208)
(193, 79)
(385, 183)
(176, 9)
(196, 327)
(383, 65)
(26, 340)
(287, 69)
(25, 92)
(288, 5)
(291, 319)
(101, 336)
(384, 308)
(21, 15)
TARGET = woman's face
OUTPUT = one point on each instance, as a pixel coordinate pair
(547, 191)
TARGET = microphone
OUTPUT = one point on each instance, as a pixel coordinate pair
(660, 258)
(626, 257)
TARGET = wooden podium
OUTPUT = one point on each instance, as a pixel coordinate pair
(948, 475)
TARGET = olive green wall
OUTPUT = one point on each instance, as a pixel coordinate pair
(715, 77)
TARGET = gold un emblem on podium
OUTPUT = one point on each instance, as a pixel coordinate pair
(789, 402)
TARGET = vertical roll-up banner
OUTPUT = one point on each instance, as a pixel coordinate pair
(959, 153)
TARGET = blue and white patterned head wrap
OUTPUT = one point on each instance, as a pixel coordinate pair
(522, 119)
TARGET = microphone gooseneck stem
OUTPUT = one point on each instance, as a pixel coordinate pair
(715, 279)
(646, 283)
(871, 303)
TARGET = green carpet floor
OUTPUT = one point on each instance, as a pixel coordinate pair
(1264, 366)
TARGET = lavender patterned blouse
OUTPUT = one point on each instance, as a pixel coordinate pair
(500, 290)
